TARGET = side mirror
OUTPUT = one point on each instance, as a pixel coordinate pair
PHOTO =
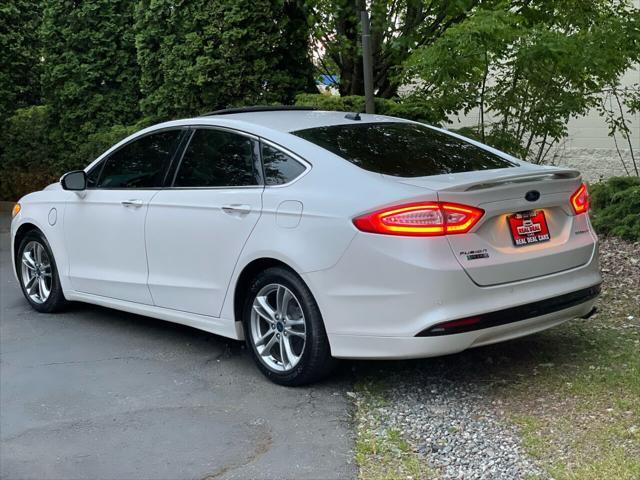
(75, 181)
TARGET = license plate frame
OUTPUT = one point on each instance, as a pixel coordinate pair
(528, 228)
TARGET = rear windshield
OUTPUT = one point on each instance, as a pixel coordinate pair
(402, 149)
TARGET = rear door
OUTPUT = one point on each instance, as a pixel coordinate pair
(196, 229)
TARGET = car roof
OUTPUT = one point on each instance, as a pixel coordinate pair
(292, 120)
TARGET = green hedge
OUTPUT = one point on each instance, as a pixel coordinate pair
(33, 153)
(28, 153)
(616, 207)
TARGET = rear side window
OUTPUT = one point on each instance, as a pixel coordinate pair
(279, 168)
(140, 164)
(402, 149)
(217, 158)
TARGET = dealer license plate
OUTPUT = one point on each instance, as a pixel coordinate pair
(528, 228)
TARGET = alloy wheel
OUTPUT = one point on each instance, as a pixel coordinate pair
(37, 275)
(278, 327)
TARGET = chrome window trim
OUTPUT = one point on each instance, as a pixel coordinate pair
(243, 187)
(220, 127)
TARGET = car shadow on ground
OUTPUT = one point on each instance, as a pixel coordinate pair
(514, 361)
(151, 327)
(506, 363)
(191, 341)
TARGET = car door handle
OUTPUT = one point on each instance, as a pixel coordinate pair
(236, 209)
(131, 203)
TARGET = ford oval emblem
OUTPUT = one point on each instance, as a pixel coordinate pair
(532, 195)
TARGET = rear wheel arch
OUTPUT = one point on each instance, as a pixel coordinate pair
(274, 319)
(248, 273)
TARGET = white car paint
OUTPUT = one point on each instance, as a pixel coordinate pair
(190, 271)
(177, 254)
(105, 243)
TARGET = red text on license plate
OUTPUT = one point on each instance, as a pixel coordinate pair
(528, 228)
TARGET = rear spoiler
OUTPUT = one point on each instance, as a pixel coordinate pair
(556, 174)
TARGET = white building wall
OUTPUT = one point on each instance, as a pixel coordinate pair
(588, 146)
(590, 149)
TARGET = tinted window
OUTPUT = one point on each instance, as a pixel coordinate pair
(216, 158)
(279, 167)
(402, 149)
(141, 163)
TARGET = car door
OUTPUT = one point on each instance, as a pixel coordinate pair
(104, 225)
(196, 229)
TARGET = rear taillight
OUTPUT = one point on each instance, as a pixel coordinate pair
(580, 200)
(420, 219)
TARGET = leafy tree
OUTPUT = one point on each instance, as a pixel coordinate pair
(201, 55)
(397, 28)
(90, 73)
(528, 66)
(19, 61)
(617, 103)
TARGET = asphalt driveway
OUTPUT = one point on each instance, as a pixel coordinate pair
(96, 393)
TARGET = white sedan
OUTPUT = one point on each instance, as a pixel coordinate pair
(314, 235)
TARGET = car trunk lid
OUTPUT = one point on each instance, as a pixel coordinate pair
(488, 253)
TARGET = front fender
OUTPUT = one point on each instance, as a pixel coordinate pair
(45, 212)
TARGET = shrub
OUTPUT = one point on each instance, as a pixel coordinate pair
(28, 153)
(616, 207)
(33, 153)
(412, 110)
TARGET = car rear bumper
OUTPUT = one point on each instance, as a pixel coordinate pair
(374, 347)
(512, 314)
(384, 292)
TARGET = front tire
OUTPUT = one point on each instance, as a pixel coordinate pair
(38, 273)
(284, 329)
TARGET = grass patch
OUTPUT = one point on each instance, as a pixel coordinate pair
(615, 464)
(380, 452)
(531, 438)
(581, 415)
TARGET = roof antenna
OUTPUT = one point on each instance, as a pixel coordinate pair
(353, 116)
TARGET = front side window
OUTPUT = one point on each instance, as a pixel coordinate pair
(141, 163)
(279, 168)
(217, 158)
(402, 149)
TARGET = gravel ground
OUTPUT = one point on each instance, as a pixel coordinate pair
(620, 266)
(448, 412)
(457, 429)
(455, 426)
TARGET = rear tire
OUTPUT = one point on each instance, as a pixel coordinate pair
(284, 329)
(38, 274)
